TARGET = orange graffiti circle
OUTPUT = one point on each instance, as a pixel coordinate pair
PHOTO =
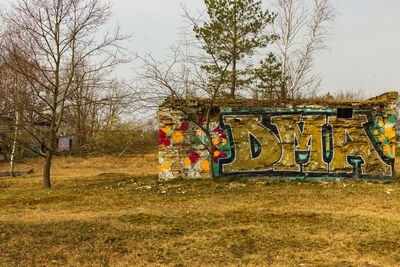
(390, 132)
(205, 165)
(178, 137)
(199, 132)
(216, 153)
(187, 161)
(382, 138)
(166, 129)
(381, 123)
(167, 165)
(386, 149)
(223, 142)
(376, 132)
(160, 168)
(216, 140)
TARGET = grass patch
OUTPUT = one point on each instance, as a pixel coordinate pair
(118, 218)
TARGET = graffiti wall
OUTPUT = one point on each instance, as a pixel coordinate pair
(309, 140)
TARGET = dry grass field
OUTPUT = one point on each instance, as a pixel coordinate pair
(113, 212)
(80, 167)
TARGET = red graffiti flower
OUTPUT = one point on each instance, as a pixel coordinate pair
(184, 126)
(167, 142)
(194, 157)
(214, 148)
(161, 134)
(162, 138)
(218, 130)
(220, 156)
(201, 121)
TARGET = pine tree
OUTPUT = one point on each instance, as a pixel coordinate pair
(233, 32)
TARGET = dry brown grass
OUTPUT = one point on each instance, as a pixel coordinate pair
(127, 219)
(81, 167)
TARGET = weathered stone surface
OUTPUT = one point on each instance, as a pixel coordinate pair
(332, 139)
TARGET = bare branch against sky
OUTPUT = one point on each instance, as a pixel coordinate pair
(364, 49)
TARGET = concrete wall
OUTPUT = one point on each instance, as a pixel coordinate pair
(334, 139)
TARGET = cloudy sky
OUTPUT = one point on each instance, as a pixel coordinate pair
(364, 52)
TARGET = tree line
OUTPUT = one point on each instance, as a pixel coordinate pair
(58, 69)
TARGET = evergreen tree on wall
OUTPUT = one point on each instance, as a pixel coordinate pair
(232, 33)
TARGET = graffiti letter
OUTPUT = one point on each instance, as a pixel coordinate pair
(354, 151)
(255, 148)
(301, 141)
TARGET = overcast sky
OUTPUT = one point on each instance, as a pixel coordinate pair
(364, 52)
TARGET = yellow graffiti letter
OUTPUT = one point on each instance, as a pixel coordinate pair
(267, 152)
(350, 139)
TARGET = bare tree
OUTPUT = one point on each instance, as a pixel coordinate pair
(14, 96)
(88, 103)
(166, 83)
(45, 42)
(303, 32)
(6, 109)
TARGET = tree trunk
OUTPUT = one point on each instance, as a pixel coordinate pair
(287, 35)
(211, 171)
(233, 88)
(14, 147)
(50, 148)
(12, 158)
(234, 52)
(46, 170)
